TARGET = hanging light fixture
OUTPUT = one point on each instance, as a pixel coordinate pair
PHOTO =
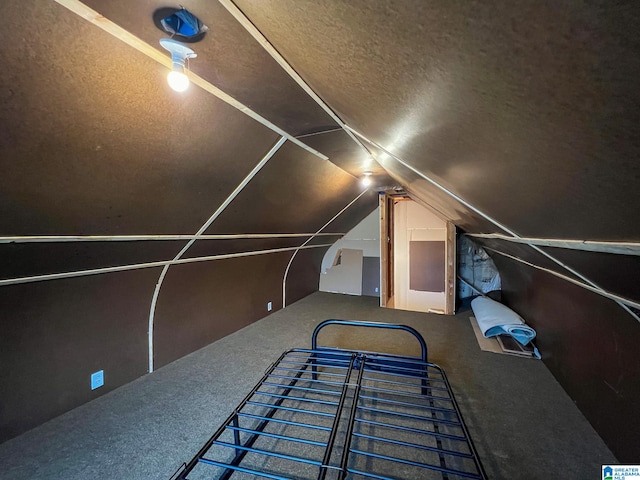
(366, 179)
(177, 77)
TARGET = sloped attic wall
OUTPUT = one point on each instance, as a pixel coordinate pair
(93, 142)
(518, 118)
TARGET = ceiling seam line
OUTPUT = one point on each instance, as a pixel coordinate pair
(339, 129)
(139, 266)
(127, 37)
(248, 25)
(487, 217)
(286, 271)
(599, 291)
(203, 228)
(136, 238)
(621, 248)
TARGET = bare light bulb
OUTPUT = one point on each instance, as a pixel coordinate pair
(178, 80)
(366, 180)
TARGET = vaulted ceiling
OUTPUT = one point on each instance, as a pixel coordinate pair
(513, 119)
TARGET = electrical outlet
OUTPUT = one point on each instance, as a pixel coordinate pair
(97, 379)
(376, 289)
(269, 306)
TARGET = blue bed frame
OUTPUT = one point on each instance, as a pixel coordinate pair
(331, 413)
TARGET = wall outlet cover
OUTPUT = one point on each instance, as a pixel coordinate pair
(269, 306)
(97, 379)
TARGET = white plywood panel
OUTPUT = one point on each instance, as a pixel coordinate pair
(345, 276)
(365, 236)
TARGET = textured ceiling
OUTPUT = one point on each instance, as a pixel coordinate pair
(529, 111)
(231, 59)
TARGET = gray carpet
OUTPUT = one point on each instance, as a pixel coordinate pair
(522, 422)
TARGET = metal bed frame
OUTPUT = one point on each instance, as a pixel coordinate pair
(330, 413)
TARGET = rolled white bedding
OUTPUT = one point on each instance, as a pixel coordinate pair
(496, 319)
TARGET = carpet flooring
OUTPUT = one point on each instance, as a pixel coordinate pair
(522, 422)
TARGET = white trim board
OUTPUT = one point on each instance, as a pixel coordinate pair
(138, 238)
(203, 228)
(620, 248)
(138, 266)
(612, 296)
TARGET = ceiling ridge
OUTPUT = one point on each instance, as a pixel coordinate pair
(233, 9)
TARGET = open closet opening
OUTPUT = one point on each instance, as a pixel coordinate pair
(417, 261)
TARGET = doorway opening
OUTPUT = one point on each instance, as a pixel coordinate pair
(417, 261)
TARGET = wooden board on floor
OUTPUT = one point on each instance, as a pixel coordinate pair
(492, 344)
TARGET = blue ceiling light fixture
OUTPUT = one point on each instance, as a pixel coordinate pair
(183, 24)
(180, 24)
(177, 77)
